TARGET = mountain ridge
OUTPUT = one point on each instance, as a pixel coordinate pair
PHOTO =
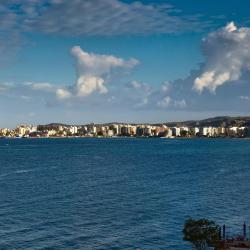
(217, 121)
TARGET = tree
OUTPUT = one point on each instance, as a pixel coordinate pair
(184, 133)
(201, 233)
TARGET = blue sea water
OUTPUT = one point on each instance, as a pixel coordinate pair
(119, 193)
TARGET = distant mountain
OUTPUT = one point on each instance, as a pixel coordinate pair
(224, 121)
(215, 122)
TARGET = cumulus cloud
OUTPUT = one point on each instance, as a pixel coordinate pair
(227, 60)
(227, 56)
(63, 93)
(93, 70)
(94, 64)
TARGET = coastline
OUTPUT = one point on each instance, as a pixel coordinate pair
(124, 137)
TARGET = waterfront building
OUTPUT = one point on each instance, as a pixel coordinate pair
(221, 130)
(110, 132)
(232, 131)
(125, 130)
(22, 130)
(204, 131)
(169, 133)
(4, 131)
(139, 131)
(176, 131)
(91, 129)
(133, 130)
(115, 129)
(147, 131)
(194, 131)
(73, 130)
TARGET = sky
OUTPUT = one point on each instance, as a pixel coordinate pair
(83, 61)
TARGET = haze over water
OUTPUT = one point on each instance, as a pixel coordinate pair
(118, 193)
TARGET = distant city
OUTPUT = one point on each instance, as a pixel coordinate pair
(238, 127)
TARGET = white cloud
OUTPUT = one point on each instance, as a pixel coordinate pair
(169, 102)
(244, 97)
(165, 96)
(180, 103)
(25, 98)
(93, 71)
(94, 64)
(45, 86)
(165, 102)
(63, 93)
(136, 85)
(227, 56)
(86, 85)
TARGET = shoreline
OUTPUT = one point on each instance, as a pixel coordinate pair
(121, 137)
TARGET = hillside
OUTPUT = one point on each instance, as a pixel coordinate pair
(215, 122)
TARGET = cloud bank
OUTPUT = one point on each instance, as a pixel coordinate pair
(95, 17)
(110, 17)
(225, 74)
(82, 18)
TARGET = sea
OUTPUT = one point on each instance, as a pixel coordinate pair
(119, 193)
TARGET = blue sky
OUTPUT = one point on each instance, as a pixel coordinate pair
(113, 60)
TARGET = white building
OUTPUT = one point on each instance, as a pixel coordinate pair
(221, 130)
(196, 130)
(204, 131)
(209, 131)
(176, 131)
(73, 130)
(110, 132)
(147, 131)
